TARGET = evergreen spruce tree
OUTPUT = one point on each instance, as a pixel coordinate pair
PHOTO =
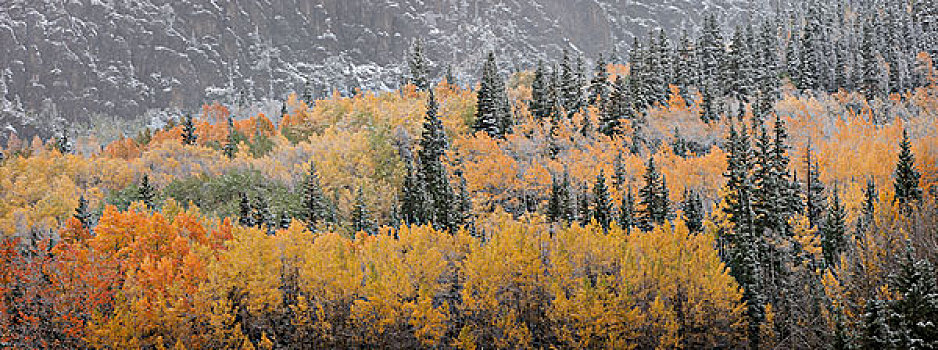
(686, 71)
(602, 203)
(653, 197)
(869, 206)
(262, 216)
(419, 67)
(708, 110)
(768, 184)
(245, 214)
(146, 193)
(678, 144)
(739, 197)
(638, 77)
(62, 143)
(314, 205)
(834, 237)
(361, 217)
(767, 76)
(413, 194)
(876, 333)
(711, 52)
(907, 178)
(599, 85)
(490, 108)
(664, 201)
(569, 87)
(619, 179)
(188, 131)
(568, 199)
(284, 219)
(432, 173)
(737, 79)
(815, 199)
(463, 205)
(541, 104)
(914, 313)
(585, 213)
(230, 149)
(870, 67)
(693, 211)
(503, 105)
(82, 213)
(559, 197)
(627, 211)
(666, 65)
(307, 90)
(450, 76)
(811, 53)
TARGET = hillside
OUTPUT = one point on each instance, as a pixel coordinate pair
(74, 59)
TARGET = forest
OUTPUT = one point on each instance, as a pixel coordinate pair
(771, 186)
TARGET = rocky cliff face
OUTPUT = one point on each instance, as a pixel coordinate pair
(77, 58)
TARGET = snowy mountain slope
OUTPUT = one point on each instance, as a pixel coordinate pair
(123, 58)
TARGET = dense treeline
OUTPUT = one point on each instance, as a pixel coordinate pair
(774, 187)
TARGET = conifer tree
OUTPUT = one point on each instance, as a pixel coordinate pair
(834, 237)
(627, 211)
(914, 313)
(814, 190)
(419, 68)
(788, 201)
(463, 205)
(569, 85)
(82, 213)
(599, 85)
(62, 143)
(584, 202)
(739, 197)
(659, 67)
(413, 194)
(708, 110)
(188, 131)
(503, 105)
(619, 172)
(711, 54)
(653, 197)
(876, 333)
(490, 106)
(361, 217)
(307, 90)
(245, 215)
(638, 76)
(313, 200)
(767, 58)
(737, 77)
(559, 199)
(869, 206)
(146, 193)
(262, 215)
(692, 207)
(230, 149)
(870, 67)
(541, 103)
(907, 178)
(602, 203)
(450, 76)
(686, 70)
(432, 172)
(811, 54)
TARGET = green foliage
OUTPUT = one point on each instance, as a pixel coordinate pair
(220, 195)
